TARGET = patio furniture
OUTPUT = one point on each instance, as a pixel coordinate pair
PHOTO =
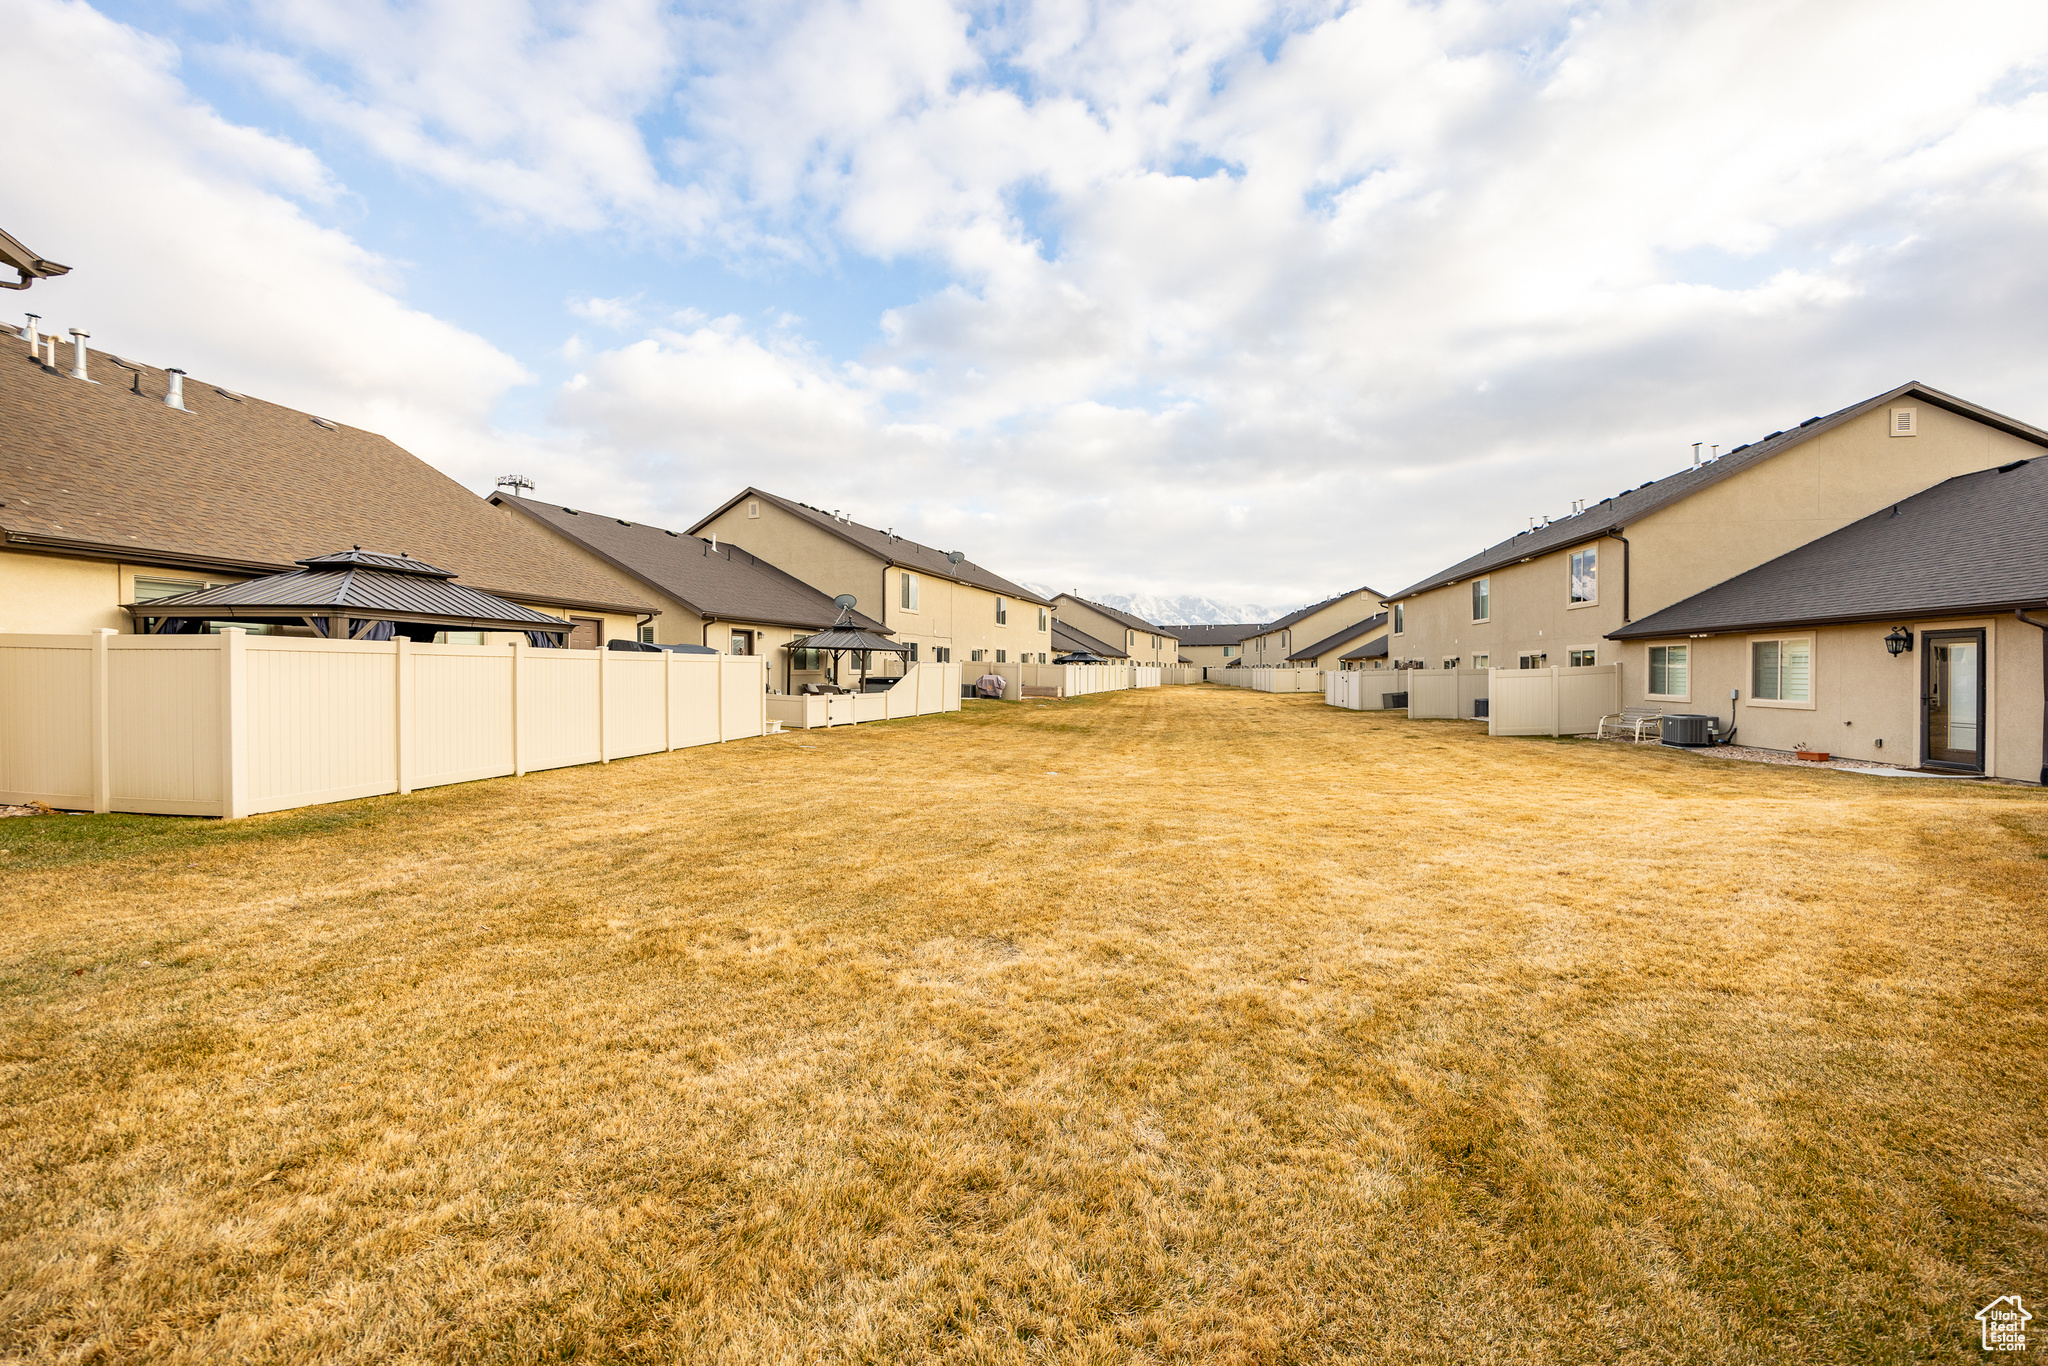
(1632, 722)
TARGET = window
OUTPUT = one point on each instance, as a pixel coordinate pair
(1400, 617)
(1532, 661)
(910, 592)
(974, 656)
(1585, 575)
(646, 633)
(1041, 619)
(913, 652)
(1155, 642)
(1041, 656)
(1286, 638)
(1450, 663)
(1002, 611)
(743, 642)
(1581, 659)
(1482, 661)
(458, 637)
(1229, 650)
(1781, 671)
(1002, 656)
(942, 654)
(806, 661)
(753, 509)
(1481, 608)
(149, 590)
(1668, 665)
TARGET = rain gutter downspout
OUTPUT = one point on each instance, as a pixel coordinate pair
(1616, 534)
(2043, 627)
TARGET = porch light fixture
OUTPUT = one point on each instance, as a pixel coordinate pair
(1899, 641)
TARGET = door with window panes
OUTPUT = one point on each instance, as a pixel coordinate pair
(1952, 698)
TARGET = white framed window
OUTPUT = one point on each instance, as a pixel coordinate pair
(1400, 617)
(909, 602)
(942, 654)
(150, 590)
(1042, 624)
(1582, 659)
(1482, 605)
(913, 652)
(1905, 422)
(1482, 661)
(1286, 639)
(1002, 656)
(1585, 576)
(1002, 611)
(1229, 650)
(1041, 656)
(1536, 661)
(1781, 672)
(974, 656)
(1450, 664)
(646, 633)
(1671, 672)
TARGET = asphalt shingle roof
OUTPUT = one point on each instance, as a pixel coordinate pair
(239, 485)
(728, 583)
(1614, 514)
(1227, 633)
(1068, 640)
(1977, 542)
(1349, 633)
(1373, 650)
(1312, 609)
(895, 550)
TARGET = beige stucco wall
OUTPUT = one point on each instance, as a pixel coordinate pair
(955, 616)
(1212, 656)
(1273, 647)
(1333, 658)
(1862, 694)
(1150, 646)
(1743, 521)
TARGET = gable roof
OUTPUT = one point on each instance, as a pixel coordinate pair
(1376, 649)
(1226, 633)
(897, 551)
(1977, 542)
(1313, 608)
(1614, 514)
(241, 486)
(1067, 640)
(726, 582)
(1343, 637)
(1121, 617)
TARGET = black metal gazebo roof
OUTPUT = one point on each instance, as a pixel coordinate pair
(848, 638)
(361, 586)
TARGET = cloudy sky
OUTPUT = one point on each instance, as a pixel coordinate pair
(1252, 300)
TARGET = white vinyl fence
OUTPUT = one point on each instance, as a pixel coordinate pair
(1067, 680)
(1553, 701)
(1362, 689)
(923, 690)
(1446, 694)
(233, 724)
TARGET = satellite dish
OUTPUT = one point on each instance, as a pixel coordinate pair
(955, 556)
(846, 602)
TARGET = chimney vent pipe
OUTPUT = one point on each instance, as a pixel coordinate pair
(78, 356)
(174, 396)
(30, 333)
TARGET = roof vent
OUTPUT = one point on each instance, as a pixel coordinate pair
(323, 422)
(622, 521)
(174, 396)
(78, 356)
(227, 394)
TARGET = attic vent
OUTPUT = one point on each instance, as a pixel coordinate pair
(572, 512)
(669, 533)
(237, 398)
(2008, 469)
(1774, 435)
(622, 521)
(1809, 422)
(1905, 422)
(753, 509)
(323, 422)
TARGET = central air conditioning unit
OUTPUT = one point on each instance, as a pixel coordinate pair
(1482, 709)
(1688, 730)
(1393, 701)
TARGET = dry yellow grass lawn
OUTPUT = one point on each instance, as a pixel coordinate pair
(1264, 1032)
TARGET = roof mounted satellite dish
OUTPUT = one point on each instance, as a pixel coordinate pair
(846, 602)
(955, 556)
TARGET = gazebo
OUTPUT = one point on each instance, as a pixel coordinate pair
(839, 640)
(352, 594)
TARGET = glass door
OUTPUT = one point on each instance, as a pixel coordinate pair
(1952, 695)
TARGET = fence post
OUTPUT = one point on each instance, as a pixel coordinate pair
(1556, 701)
(604, 748)
(519, 648)
(401, 672)
(761, 688)
(668, 727)
(234, 738)
(718, 694)
(102, 765)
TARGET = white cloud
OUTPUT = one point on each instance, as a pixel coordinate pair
(1253, 299)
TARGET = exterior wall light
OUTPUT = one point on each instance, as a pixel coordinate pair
(1899, 641)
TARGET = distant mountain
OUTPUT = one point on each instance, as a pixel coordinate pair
(1187, 610)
